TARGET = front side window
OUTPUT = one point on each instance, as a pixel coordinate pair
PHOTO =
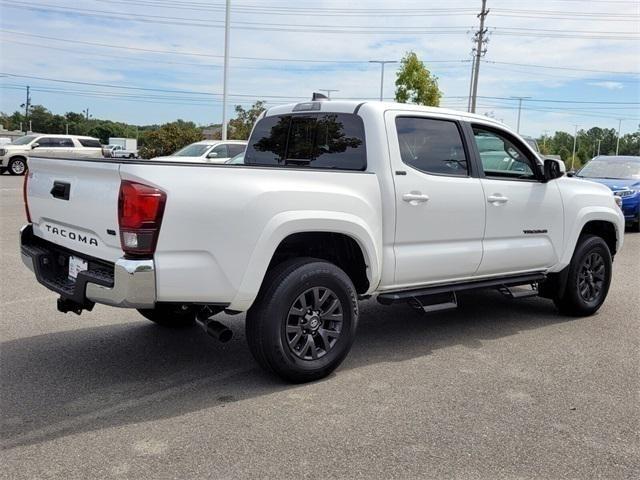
(316, 140)
(193, 150)
(500, 157)
(219, 151)
(432, 146)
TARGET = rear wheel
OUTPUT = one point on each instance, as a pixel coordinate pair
(17, 166)
(303, 323)
(171, 315)
(588, 279)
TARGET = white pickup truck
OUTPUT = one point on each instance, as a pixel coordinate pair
(336, 201)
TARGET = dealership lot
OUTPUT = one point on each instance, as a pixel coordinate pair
(496, 389)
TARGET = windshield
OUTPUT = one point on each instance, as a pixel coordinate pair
(612, 167)
(23, 140)
(193, 150)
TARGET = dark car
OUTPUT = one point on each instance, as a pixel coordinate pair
(622, 175)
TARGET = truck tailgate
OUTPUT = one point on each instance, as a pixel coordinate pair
(74, 204)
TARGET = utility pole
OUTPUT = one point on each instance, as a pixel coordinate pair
(66, 127)
(519, 110)
(575, 138)
(544, 139)
(27, 104)
(225, 80)
(382, 64)
(480, 51)
(599, 142)
(328, 90)
(618, 141)
(473, 66)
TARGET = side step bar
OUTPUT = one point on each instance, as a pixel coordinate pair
(501, 283)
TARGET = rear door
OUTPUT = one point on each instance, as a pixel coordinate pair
(440, 206)
(74, 204)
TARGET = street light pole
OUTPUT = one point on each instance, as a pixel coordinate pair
(575, 138)
(519, 110)
(225, 79)
(382, 64)
(618, 141)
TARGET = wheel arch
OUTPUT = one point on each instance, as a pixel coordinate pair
(289, 234)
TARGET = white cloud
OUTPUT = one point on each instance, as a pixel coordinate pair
(609, 85)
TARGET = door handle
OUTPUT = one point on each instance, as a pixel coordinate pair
(497, 198)
(415, 198)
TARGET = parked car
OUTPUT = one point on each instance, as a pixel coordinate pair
(14, 156)
(117, 151)
(207, 151)
(336, 201)
(622, 175)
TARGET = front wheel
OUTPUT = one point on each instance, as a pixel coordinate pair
(303, 323)
(17, 166)
(588, 279)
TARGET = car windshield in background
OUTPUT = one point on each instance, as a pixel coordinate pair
(612, 167)
(23, 140)
(192, 151)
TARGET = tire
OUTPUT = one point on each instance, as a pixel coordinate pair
(17, 166)
(588, 279)
(171, 315)
(635, 226)
(303, 348)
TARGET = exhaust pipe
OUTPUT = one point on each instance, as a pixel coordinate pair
(217, 330)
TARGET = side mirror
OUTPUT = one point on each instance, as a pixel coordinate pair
(212, 155)
(34, 145)
(553, 169)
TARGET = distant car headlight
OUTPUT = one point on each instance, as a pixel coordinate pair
(625, 193)
(618, 200)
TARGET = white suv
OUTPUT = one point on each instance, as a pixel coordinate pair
(14, 156)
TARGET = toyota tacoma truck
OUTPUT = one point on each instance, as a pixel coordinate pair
(336, 201)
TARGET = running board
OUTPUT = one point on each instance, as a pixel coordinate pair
(512, 281)
(435, 303)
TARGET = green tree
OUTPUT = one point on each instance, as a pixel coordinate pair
(240, 127)
(415, 83)
(169, 138)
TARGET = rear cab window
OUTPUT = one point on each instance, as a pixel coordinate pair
(310, 140)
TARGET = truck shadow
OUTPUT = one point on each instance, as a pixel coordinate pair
(88, 379)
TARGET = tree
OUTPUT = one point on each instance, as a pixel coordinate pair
(240, 127)
(169, 138)
(415, 84)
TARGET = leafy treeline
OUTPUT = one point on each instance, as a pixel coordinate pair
(156, 140)
(561, 143)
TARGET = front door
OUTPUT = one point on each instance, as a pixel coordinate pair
(440, 207)
(525, 228)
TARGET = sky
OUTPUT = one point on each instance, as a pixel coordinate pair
(154, 61)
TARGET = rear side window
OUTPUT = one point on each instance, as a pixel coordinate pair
(235, 149)
(317, 140)
(432, 146)
(93, 143)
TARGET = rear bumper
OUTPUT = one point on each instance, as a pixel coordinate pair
(125, 283)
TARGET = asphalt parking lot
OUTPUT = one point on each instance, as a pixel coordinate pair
(498, 388)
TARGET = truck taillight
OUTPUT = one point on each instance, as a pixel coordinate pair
(24, 195)
(140, 210)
